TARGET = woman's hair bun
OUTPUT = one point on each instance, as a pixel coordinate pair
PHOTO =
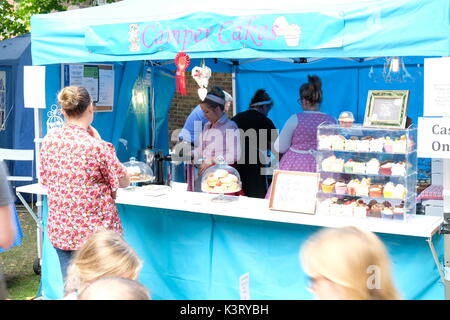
(74, 100)
(315, 81)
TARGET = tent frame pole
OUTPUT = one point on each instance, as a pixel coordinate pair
(233, 88)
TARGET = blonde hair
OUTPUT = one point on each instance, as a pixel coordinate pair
(104, 254)
(355, 260)
(74, 100)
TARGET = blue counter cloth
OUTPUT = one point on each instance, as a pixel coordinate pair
(198, 256)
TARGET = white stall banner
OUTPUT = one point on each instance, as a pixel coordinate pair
(436, 87)
(34, 87)
(433, 138)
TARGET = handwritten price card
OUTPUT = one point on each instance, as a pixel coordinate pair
(294, 191)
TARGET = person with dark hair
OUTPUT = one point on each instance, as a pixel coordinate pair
(297, 141)
(256, 140)
(219, 138)
(82, 174)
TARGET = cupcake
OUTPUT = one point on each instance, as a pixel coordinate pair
(337, 143)
(336, 208)
(388, 145)
(362, 190)
(399, 213)
(359, 167)
(340, 187)
(337, 165)
(324, 142)
(360, 211)
(376, 191)
(376, 145)
(350, 144)
(386, 168)
(348, 166)
(346, 119)
(399, 192)
(348, 207)
(388, 190)
(328, 185)
(399, 145)
(387, 213)
(375, 210)
(351, 186)
(363, 145)
(373, 166)
(398, 169)
(327, 164)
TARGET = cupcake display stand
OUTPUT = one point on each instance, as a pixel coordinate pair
(366, 172)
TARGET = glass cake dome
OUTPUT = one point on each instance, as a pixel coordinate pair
(221, 179)
(138, 171)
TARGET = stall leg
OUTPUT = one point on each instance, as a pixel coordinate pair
(446, 227)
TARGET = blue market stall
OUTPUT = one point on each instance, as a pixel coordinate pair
(16, 122)
(192, 249)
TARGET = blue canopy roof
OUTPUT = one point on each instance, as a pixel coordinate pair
(236, 29)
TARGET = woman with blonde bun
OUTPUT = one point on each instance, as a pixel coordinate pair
(348, 264)
(104, 254)
(82, 174)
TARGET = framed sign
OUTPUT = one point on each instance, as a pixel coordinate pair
(386, 109)
(294, 191)
(98, 79)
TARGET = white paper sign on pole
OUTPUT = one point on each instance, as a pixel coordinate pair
(34, 87)
(436, 87)
(433, 138)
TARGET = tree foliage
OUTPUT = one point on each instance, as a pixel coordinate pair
(15, 20)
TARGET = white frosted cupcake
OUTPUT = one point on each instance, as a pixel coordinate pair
(324, 142)
(359, 167)
(376, 145)
(373, 166)
(398, 169)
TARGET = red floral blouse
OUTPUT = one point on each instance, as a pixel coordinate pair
(81, 172)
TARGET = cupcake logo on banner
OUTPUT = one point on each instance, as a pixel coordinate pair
(291, 32)
(134, 37)
(54, 118)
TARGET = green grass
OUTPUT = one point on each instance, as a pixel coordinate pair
(17, 263)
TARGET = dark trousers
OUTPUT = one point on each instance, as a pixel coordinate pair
(65, 257)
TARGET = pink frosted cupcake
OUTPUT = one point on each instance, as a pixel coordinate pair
(340, 187)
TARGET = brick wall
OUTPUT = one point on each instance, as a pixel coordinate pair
(182, 106)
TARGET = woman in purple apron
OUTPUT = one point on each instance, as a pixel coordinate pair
(298, 138)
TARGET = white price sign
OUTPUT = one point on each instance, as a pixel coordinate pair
(436, 87)
(294, 191)
(433, 138)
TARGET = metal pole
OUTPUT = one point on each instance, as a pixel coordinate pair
(37, 141)
(233, 88)
(446, 207)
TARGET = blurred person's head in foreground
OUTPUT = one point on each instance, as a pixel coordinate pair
(114, 288)
(348, 264)
(104, 254)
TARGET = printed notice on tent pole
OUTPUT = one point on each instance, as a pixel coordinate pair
(436, 87)
(98, 79)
